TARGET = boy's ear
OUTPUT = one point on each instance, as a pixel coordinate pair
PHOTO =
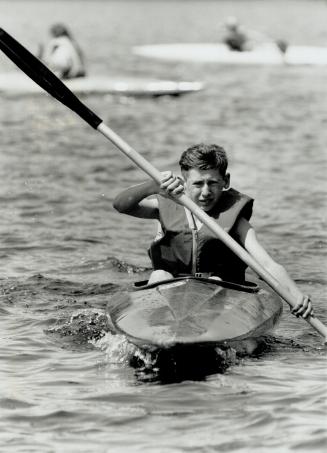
(227, 181)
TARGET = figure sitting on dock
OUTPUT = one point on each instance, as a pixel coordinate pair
(62, 54)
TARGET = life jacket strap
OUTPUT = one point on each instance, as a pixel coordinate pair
(203, 274)
(194, 229)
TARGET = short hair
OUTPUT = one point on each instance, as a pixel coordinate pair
(204, 157)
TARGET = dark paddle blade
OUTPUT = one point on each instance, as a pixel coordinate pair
(41, 75)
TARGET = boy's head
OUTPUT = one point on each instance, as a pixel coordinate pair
(204, 157)
(204, 169)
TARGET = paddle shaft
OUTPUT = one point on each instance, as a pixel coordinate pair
(45, 78)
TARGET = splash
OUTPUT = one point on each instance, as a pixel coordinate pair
(166, 365)
(125, 267)
(116, 347)
(83, 326)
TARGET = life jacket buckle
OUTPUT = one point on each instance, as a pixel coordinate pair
(203, 274)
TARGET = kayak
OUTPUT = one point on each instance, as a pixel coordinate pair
(194, 311)
(267, 53)
(17, 83)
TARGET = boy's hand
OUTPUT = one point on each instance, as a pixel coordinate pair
(303, 307)
(171, 186)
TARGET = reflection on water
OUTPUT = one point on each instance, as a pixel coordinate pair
(178, 364)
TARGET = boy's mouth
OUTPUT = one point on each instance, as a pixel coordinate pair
(205, 203)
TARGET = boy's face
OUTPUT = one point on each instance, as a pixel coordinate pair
(205, 187)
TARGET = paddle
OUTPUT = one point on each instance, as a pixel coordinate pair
(38, 72)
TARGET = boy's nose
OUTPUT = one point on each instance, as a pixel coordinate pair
(205, 190)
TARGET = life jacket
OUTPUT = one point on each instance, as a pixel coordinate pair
(184, 249)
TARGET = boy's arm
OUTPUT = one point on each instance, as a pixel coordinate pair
(133, 201)
(250, 242)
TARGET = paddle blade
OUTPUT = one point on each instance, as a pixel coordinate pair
(45, 78)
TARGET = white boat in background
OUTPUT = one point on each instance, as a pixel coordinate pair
(268, 54)
(17, 83)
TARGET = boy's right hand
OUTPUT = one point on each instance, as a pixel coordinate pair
(171, 186)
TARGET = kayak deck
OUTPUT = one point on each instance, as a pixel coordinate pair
(194, 311)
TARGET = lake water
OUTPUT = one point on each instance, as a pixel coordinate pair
(67, 384)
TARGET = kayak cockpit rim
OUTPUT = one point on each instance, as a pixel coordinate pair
(248, 287)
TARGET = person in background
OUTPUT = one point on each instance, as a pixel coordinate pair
(234, 36)
(239, 39)
(62, 54)
(185, 245)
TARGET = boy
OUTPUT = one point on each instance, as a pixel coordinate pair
(185, 245)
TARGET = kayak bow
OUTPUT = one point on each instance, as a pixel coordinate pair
(194, 311)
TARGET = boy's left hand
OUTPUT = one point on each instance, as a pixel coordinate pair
(303, 308)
